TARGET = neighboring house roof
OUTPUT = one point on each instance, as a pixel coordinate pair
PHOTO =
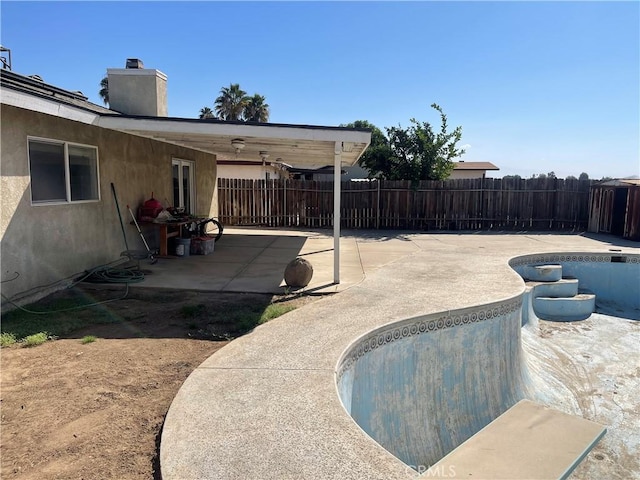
(328, 170)
(619, 182)
(309, 146)
(474, 166)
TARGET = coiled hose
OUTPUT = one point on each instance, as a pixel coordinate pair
(107, 274)
(101, 274)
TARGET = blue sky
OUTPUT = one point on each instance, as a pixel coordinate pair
(536, 86)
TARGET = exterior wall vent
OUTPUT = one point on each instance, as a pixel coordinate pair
(134, 63)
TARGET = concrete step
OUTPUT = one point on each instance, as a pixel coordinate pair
(543, 273)
(527, 441)
(579, 307)
(563, 288)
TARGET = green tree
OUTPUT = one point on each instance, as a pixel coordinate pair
(583, 176)
(376, 157)
(231, 102)
(206, 112)
(256, 109)
(420, 153)
(104, 90)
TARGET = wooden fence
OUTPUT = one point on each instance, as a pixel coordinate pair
(469, 204)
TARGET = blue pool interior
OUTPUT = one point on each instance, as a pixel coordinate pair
(422, 386)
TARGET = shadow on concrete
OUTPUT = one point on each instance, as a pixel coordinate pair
(611, 240)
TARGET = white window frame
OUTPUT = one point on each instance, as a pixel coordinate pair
(180, 162)
(67, 175)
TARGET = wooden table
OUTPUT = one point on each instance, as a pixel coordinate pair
(170, 229)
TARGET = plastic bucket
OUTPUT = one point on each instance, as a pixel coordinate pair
(183, 246)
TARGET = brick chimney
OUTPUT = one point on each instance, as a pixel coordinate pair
(136, 90)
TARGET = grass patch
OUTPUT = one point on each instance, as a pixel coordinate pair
(88, 339)
(7, 339)
(21, 324)
(274, 311)
(250, 317)
(193, 311)
(35, 339)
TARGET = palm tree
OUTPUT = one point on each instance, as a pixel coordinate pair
(104, 90)
(256, 110)
(231, 102)
(206, 112)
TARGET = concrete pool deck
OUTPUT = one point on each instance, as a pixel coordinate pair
(266, 405)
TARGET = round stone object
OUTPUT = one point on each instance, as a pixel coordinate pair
(298, 273)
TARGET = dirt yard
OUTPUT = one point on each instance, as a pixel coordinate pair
(74, 410)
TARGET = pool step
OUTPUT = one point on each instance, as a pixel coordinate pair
(565, 287)
(556, 298)
(543, 273)
(578, 307)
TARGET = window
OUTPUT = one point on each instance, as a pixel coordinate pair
(62, 172)
(184, 192)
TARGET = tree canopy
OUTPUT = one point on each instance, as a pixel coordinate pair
(206, 112)
(233, 103)
(375, 158)
(414, 153)
(256, 109)
(104, 90)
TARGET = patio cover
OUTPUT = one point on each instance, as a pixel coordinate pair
(298, 145)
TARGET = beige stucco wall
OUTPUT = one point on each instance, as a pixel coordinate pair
(247, 172)
(457, 174)
(46, 243)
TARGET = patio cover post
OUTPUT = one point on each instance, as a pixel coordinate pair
(337, 168)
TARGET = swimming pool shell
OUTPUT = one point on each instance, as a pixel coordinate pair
(422, 386)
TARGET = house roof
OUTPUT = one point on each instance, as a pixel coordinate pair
(474, 166)
(307, 146)
(34, 86)
(619, 182)
(327, 170)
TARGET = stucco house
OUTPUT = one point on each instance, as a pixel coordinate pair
(61, 154)
(471, 169)
(251, 170)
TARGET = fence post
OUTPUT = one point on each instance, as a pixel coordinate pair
(555, 202)
(284, 200)
(483, 213)
(378, 181)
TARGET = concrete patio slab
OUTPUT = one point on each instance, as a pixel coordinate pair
(254, 260)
